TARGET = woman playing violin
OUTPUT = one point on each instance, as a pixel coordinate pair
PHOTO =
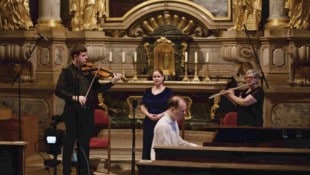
(250, 103)
(79, 91)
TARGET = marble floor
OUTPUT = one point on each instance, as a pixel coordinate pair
(121, 154)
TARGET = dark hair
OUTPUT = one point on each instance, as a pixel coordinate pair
(174, 101)
(77, 49)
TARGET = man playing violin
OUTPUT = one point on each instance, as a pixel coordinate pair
(250, 102)
(79, 91)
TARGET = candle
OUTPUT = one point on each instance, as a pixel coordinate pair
(196, 57)
(135, 57)
(110, 57)
(123, 58)
(185, 57)
(207, 57)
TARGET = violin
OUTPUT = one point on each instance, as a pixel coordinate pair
(90, 67)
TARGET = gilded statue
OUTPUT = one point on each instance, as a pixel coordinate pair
(15, 15)
(299, 13)
(246, 12)
(87, 14)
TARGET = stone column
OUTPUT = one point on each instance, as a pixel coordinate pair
(49, 13)
(278, 17)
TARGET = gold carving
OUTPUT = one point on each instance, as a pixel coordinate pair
(246, 12)
(186, 26)
(101, 103)
(15, 15)
(215, 106)
(299, 13)
(87, 14)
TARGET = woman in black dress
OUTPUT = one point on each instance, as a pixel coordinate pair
(154, 104)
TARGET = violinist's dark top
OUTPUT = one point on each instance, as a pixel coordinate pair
(73, 82)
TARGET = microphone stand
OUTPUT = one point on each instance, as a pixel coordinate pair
(256, 58)
(19, 79)
(78, 151)
(133, 161)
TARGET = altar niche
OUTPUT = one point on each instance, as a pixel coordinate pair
(165, 49)
(164, 56)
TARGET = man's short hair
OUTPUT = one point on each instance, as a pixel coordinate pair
(77, 49)
(174, 101)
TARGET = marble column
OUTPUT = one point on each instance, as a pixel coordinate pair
(278, 17)
(49, 13)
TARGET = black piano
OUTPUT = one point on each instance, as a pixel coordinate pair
(288, 137)
(237, 150)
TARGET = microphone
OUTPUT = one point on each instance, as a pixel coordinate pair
(42, 36)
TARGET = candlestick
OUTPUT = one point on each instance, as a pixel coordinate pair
(207, 57)
(110, 57)
(135, 77)
(135, 57)
(123, 57)
(196, 79)
(185, 72)
(123, 70)
(185, 57)
(196, 57)
(207, 78)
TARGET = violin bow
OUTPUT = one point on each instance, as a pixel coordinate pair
(92, 81)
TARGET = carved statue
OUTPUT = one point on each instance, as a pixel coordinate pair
(246, 12)
(15, 15)
(299, 13)
(87, 14)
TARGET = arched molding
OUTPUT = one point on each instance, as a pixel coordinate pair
(189, 8)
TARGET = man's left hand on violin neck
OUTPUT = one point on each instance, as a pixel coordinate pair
(116, 77)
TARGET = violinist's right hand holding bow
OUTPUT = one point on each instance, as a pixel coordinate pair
(81, 99)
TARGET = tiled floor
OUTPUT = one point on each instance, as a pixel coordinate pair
(121, 153)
